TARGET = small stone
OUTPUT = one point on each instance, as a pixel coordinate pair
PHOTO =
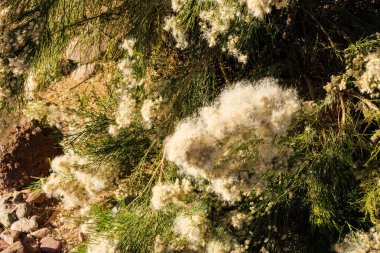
(10, 236)
(25, 225)
(30, 244)
(18, 197)
(83, 72)
(6, 217)
(81, 236)
(36, 197)
(41, 233)
(37, 219)
(3, 244)
(5, 199)
(15, 248)
(23, 210)
(50, 245)
(26, 191)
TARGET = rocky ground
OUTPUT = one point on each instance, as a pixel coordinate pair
(29, 221)
(24, 215)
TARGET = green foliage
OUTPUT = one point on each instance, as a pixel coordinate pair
(370, 201)
(135, 227)
(94, 141)
(332, 183)
(82, 248)
(36, 185)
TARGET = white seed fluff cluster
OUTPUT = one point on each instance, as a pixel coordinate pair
(125, 113)
(178, 4)
(74, 181)
(234, 51)
(216, 21)
(238, 219)
(217, 247)
(126, 110)
(128, 45)
(16, 42)
(125, 67)
(216, 18)
(127, 104)
(369, 81)
(261, 110)
(164, 194)
(173, 26)
(365, 73)
(192, 228)
(261, 7)
(149, 110)
(360, 242)
(31, 86)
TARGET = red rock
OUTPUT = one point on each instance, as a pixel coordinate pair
(3, 245)
(50, 245)
(23, 210)
(30, 244)
(36, 197)
(25, 225)
(15, 248)
(10, 236)
(41, 233)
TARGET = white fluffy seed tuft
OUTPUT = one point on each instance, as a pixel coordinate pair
(261, 110)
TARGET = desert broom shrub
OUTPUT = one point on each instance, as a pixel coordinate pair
(306, 208)
(279, 176)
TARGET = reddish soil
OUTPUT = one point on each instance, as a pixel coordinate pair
(26, 155)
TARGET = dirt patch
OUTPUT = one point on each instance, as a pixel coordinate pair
(26, 155)
(66, 92)
(8, 123)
